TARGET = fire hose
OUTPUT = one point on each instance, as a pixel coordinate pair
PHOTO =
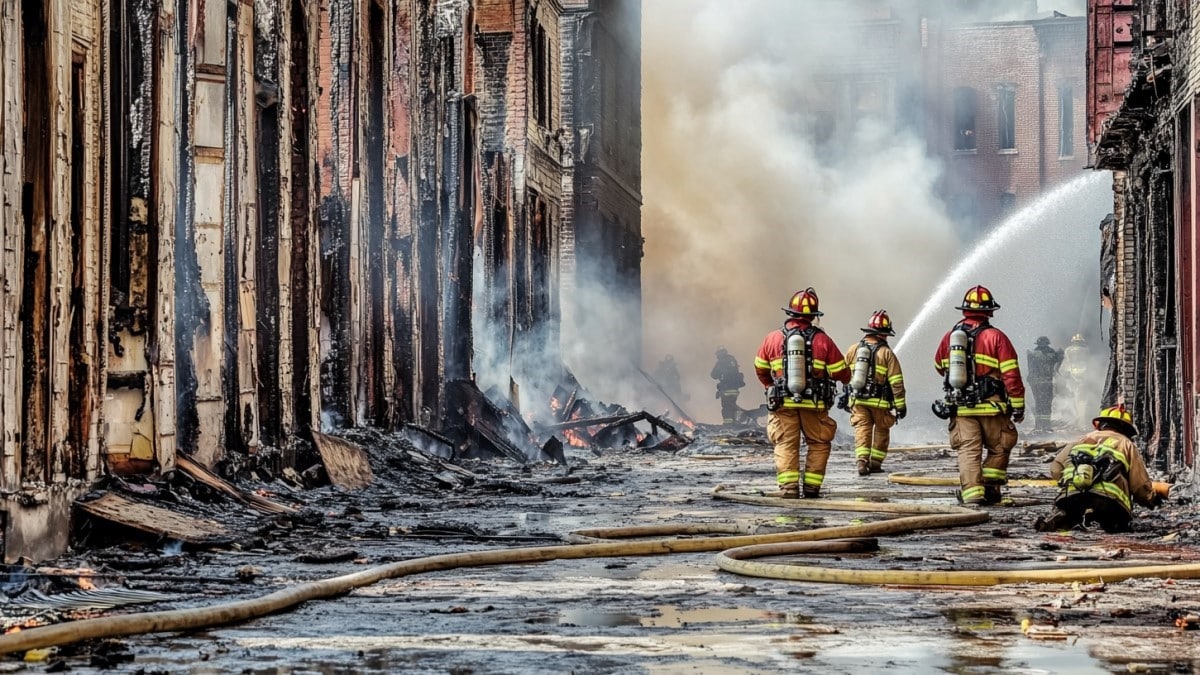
(737, 552)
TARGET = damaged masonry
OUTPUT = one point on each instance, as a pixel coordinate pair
(231, 224)
(328, 349)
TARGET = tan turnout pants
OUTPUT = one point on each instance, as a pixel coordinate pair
(970, 436)
(872, 433)
(785, 428)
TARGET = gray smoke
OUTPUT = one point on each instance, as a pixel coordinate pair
(751, 194)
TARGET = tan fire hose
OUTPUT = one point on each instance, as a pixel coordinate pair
(919, 478)
(920, 516)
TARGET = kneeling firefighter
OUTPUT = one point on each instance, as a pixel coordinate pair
(1100, 475)
(983, 389)
(876, 392)
(798, 365)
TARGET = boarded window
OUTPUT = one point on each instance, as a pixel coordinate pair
(964, 118)
(1066, 121)
(1006, 117)
(539, 54)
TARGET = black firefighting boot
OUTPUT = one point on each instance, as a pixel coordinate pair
(876, 467)
(811, 492)
(992, 494)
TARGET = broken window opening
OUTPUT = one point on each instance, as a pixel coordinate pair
(539, 54)
(301, 214)
(1006, 116)
(1066, 122)
(1008, 200)
(79, 391)
(964, 119)
(540, 263)
(35, 206)
(377, 406)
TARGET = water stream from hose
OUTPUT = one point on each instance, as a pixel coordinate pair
(1042, 265)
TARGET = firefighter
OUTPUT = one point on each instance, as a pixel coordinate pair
(1044, 361)
(667, 376)
(984, 397)
(1074, 371)
(798, 365)
(1101, 474)
(876, 393)
(729, 384)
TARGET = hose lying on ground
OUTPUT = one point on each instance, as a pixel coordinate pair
(918, 478)
(738, 561)
(242, 610)
(927, 517)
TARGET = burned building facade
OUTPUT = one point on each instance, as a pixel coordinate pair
(1143, 101)
(231, 223)
(999, 103)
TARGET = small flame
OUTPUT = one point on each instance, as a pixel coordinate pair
(575, 439)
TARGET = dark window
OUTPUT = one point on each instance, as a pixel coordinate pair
(964, 118)
(1007, 201)
(1006, 116)
(540, 71)
(1066, 121)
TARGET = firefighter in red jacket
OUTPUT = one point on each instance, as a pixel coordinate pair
(798, 365)
(984, 397)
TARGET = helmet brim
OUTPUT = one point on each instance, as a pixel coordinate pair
(796, 314)
(1122, 426)
(978, 309)
(877, 331)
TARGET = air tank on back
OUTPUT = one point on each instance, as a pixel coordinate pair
(956, 375)
(797, 375)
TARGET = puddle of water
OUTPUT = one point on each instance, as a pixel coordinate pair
(672, 616)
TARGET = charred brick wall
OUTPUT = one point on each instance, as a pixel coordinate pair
(603, 235)
(1149, 143)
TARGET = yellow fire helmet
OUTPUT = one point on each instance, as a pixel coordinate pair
(1118, 417)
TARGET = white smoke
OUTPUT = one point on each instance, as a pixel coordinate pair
(748, 198)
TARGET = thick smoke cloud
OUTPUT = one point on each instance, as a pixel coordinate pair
(748, 198)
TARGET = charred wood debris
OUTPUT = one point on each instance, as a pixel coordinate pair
(491, 450)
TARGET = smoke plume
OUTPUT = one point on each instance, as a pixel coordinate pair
(752, 191)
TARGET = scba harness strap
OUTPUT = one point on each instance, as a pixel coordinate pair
(977, 389)
(1095, 468)
(818, 389)
(872, 389)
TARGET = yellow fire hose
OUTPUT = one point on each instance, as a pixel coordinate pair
(919, 478)
(737, 550)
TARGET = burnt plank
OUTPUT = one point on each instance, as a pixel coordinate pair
(345, 462)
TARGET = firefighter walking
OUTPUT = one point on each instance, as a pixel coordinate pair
(1044, 361)
(798, 365)
(876, 393)
(730, 381)
(1101, 475)
(983, 389)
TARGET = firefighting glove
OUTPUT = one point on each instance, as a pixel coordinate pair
(1018, 415)
(901, 412)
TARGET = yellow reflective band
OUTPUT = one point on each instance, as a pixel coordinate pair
(984, 360)
(862, 452)
(762, 363)
(973, 492)
(878, 455)
(900, 403)
(814, 478)
(1008, 365)
(777, 364)
(943, 363)
(882, 370)
(873, 403)
(785, 477)
(995, 474)
(981, 410)
(1017, 401)
(895, 379)
(836, 367)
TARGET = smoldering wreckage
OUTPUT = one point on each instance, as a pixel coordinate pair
(253, 282)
